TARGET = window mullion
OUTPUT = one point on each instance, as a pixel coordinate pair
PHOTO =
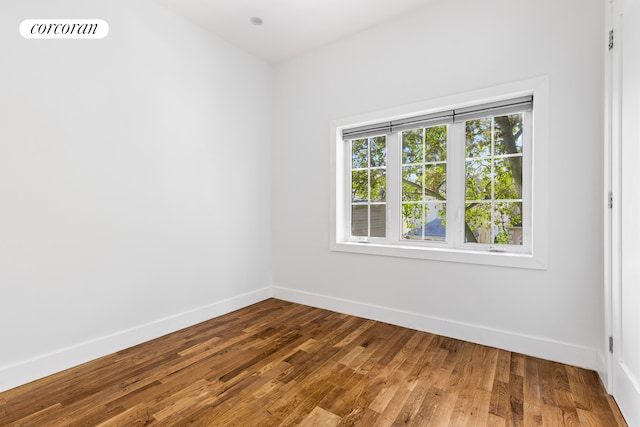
(369, 188)
(394, 185)
(455, 184)
(423, 204)
(347, 199)
(493, 181)
(527, 179)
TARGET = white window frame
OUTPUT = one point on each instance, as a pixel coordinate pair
(369, 203)
(535, 157)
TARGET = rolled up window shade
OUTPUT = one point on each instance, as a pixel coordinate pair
(383, 128)
(508, 106)
(499, 108)
(425, 121)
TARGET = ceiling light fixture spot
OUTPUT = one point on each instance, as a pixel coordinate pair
(256, 20)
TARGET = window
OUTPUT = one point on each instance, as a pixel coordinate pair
(424, 178)
(368, 187)
(452, 184)
(494, 179)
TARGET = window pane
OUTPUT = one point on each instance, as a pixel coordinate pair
(360, 220)
(508, 181)
(424, 221)
(412, 221)
(508, 134)
(378, 151)
(424, 182)
(368, 185)
(379, 220)
(378, 185)
(493, 176)
(359, 153)
(435, 182)
(507, 219)
(412, 183)
(435, 221)
(360, 186)
(478, 223)
(435, 144)
(478, 180)
(501, 225)
(412, 150)
(478, 137)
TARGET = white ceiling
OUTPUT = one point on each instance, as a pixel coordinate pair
(290, 27)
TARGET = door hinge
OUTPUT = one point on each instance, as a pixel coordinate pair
(610, 39)
(610, 201)
(610, 344)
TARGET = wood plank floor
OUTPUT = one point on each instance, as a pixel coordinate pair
(277, 363)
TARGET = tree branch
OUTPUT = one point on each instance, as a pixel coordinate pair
(467, 230)
(427, 191)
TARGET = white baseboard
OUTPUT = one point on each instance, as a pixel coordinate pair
(584, 357)
(46, 364)
(603, 372)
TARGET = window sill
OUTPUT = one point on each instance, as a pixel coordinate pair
(500, 259)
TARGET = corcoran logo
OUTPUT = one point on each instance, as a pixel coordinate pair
(64, 28)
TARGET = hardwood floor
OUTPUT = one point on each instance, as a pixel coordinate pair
(278, 363)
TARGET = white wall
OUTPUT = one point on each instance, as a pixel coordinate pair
(130, 186)
(134, 183)
(451, 47)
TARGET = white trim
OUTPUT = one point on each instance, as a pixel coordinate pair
(537, 259)
(43, 365)
(623, 383)
(575, 355)
(625, 390)
(609, 166)
(394, 192)
(407, 250)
